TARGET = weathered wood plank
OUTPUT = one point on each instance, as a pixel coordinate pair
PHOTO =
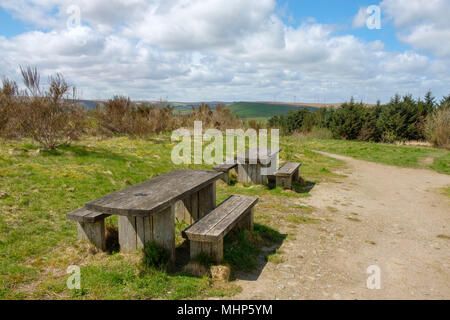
(85, 215)
(140, 233)
(206, 200)
(179, 211)
(187, 210)
(263, 155)
(148, 229)
(155, 195)
(194, 207)
(230, 220)
(164, 230)
(288, 169)
(208, 222)
(284, 181)
(225, 167)
(212, 249)
(93, 232)
(221, 220)
(127, 234)
(246, 222)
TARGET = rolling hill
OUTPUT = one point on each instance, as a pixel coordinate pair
(262, 110)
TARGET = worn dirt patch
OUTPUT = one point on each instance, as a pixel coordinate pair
(400, 225)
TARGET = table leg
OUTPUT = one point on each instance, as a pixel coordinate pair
(164, 230)
(243, 175)
(206, 200)
(136, 232)
(127, 234)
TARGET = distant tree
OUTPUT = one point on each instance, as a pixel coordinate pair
(348, 121)
(445, 102)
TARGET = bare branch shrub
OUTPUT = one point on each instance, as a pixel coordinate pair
(50, 117)
(120, 115)
(221, 118)
(9, 126)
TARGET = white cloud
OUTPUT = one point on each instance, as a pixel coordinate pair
(423, 24)
(360, 19)
(210, 50)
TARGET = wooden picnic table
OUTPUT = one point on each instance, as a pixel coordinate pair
(253, 161)
(147, 211)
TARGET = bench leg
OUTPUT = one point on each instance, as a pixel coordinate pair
(93, 232)
(285, 182)
(214, 250)
(246, 223)
(296, 176)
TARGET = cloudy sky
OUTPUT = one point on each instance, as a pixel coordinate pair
(231, 50)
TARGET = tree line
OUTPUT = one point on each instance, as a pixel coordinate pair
(402, 119)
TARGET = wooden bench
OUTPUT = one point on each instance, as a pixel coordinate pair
(91, 226)
(206, 236)
(286, 174)
(225, 168)
(146, 211)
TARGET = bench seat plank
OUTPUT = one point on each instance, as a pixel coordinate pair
(216, 224)
(85, 215)
(288, 169)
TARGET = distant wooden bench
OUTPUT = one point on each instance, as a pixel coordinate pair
(225, 168)
(91, 226)
(206, 236)
(286, 174)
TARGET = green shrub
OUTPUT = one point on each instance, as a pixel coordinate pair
(348, 121)
(155, 256)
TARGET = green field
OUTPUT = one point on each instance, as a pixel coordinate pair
(38, 188)
(261, 111)
(258, 111)
(37, 243)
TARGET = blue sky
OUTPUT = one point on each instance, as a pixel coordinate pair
(9, 26)
(318, 51)
(341, 14)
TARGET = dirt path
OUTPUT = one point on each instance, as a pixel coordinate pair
(379, 215)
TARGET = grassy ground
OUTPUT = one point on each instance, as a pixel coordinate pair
(37, 189)
(403, 156)
(37, 243)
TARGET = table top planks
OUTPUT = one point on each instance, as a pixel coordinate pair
(155, 195)
(258, 155)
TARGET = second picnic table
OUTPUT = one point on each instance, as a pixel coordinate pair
(147, 211)
(252, 163)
